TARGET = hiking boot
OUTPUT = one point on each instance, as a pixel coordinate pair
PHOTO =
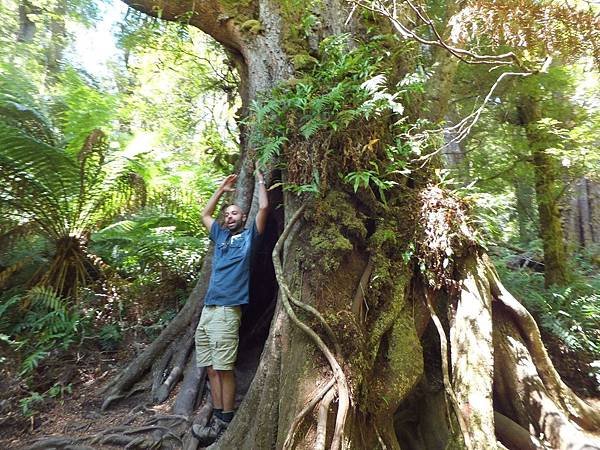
(210, 433)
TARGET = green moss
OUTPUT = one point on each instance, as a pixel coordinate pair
(338, 228)
(337, 209)
(298, 21)
(404, 355)
(252, 26)
(240, 11)
(303, 61)
(455, 442)
(391, 291)
(384, 235)
(330, 246)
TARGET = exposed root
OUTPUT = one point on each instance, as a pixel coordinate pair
(322, 420)
(307, 409)
(122, 435)
(111, 398)
(579, 411)
(358, 303)
(115, 439)
(160, 367)
(472, 352)
(179, 360)
(340, 377)
(142, 363)
(52, 442)
(194, 380)
(514, 435)
(446, 374)
(314, 312)
(142, 387)
(174, 417)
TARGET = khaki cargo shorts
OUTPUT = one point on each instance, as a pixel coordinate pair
(217, 337)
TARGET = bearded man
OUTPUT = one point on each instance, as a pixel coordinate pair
(217, 334)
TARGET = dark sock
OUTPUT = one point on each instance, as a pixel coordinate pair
(227, 416)
(218, 412)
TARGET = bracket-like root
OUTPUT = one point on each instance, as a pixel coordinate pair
(446, 373)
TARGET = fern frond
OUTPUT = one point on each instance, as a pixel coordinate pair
(46, 297)
(310, 128)
(32, 361)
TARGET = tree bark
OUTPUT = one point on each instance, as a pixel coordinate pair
(27, 27)
(582, 216)
(548, 190)
(524, 194)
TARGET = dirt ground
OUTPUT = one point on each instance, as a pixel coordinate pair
(78, 415)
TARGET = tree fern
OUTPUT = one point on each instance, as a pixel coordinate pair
(58, 173)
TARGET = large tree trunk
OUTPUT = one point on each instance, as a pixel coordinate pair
(351, 356)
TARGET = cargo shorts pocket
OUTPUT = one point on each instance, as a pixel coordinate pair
(226, 338)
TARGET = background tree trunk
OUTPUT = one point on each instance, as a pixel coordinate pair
(524, 194)
(548, 190)
(582, 216)
(26, 25)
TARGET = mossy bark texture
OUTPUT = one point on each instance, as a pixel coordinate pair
(548, 189)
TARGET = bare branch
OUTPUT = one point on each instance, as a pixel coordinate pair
(463, 128)
(466, 56)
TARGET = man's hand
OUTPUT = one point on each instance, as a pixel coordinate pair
(263, 201)
(228, 183)
(257, 173)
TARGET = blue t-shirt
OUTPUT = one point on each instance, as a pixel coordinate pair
(230, 277)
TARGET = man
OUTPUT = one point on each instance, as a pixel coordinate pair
(217, 334)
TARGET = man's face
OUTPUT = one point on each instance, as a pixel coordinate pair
(234, 219)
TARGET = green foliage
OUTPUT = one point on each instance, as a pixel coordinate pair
(572, 314)
(122, 172)
(30, 403)
(59, 190)
(346, 89)
(152, 243)
(79, 108)
(110, 336)
(365, 177)
(38, 323)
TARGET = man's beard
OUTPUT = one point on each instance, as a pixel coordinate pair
(235, 226)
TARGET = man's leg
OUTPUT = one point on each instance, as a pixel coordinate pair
(216, 387)
(224, 356)
(227, 379)
(204, 354)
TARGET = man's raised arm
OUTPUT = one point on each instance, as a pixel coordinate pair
(209, 209)
(263, 203)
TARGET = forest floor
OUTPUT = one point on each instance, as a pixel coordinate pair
(78, 413)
